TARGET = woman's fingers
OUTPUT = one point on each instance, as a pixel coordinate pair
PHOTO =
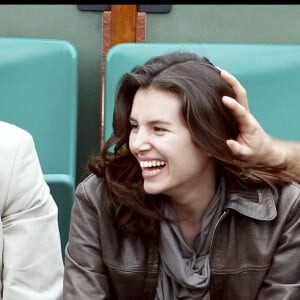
(239, 90)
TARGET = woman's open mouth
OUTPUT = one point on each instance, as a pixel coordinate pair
(151, 168)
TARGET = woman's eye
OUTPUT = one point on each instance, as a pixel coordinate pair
(133, 126)
(159, 129)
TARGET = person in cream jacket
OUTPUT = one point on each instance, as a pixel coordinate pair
(31, 264)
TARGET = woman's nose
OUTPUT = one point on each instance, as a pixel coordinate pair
(139, 141)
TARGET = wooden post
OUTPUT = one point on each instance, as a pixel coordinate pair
(123, 24)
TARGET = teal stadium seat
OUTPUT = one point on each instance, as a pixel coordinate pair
(269, 72)
(38, 88)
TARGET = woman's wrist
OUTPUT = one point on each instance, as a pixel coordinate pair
(287, 154)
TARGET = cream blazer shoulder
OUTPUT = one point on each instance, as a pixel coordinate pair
(31, 265)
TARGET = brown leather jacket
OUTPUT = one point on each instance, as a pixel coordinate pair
(255, 251)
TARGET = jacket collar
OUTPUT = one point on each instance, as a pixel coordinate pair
(257, 203)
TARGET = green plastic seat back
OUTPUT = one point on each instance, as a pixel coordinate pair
(38, 92)
(269, 72)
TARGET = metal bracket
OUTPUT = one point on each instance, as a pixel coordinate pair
(148, 8)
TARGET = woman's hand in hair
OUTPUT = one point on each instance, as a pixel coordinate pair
(253, 143)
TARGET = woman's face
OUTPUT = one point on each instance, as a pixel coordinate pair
(159, 139)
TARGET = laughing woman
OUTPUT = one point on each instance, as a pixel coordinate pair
(168, 212)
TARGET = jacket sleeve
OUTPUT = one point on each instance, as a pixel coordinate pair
(85, 273)
(32, 261)
(283, 278)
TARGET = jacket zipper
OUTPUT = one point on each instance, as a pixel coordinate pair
(224, 214)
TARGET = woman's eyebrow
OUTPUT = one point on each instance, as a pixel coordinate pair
(131, 119)
(155, 121)
(158, 121)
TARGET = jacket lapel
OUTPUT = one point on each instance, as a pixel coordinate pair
(253, 202)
